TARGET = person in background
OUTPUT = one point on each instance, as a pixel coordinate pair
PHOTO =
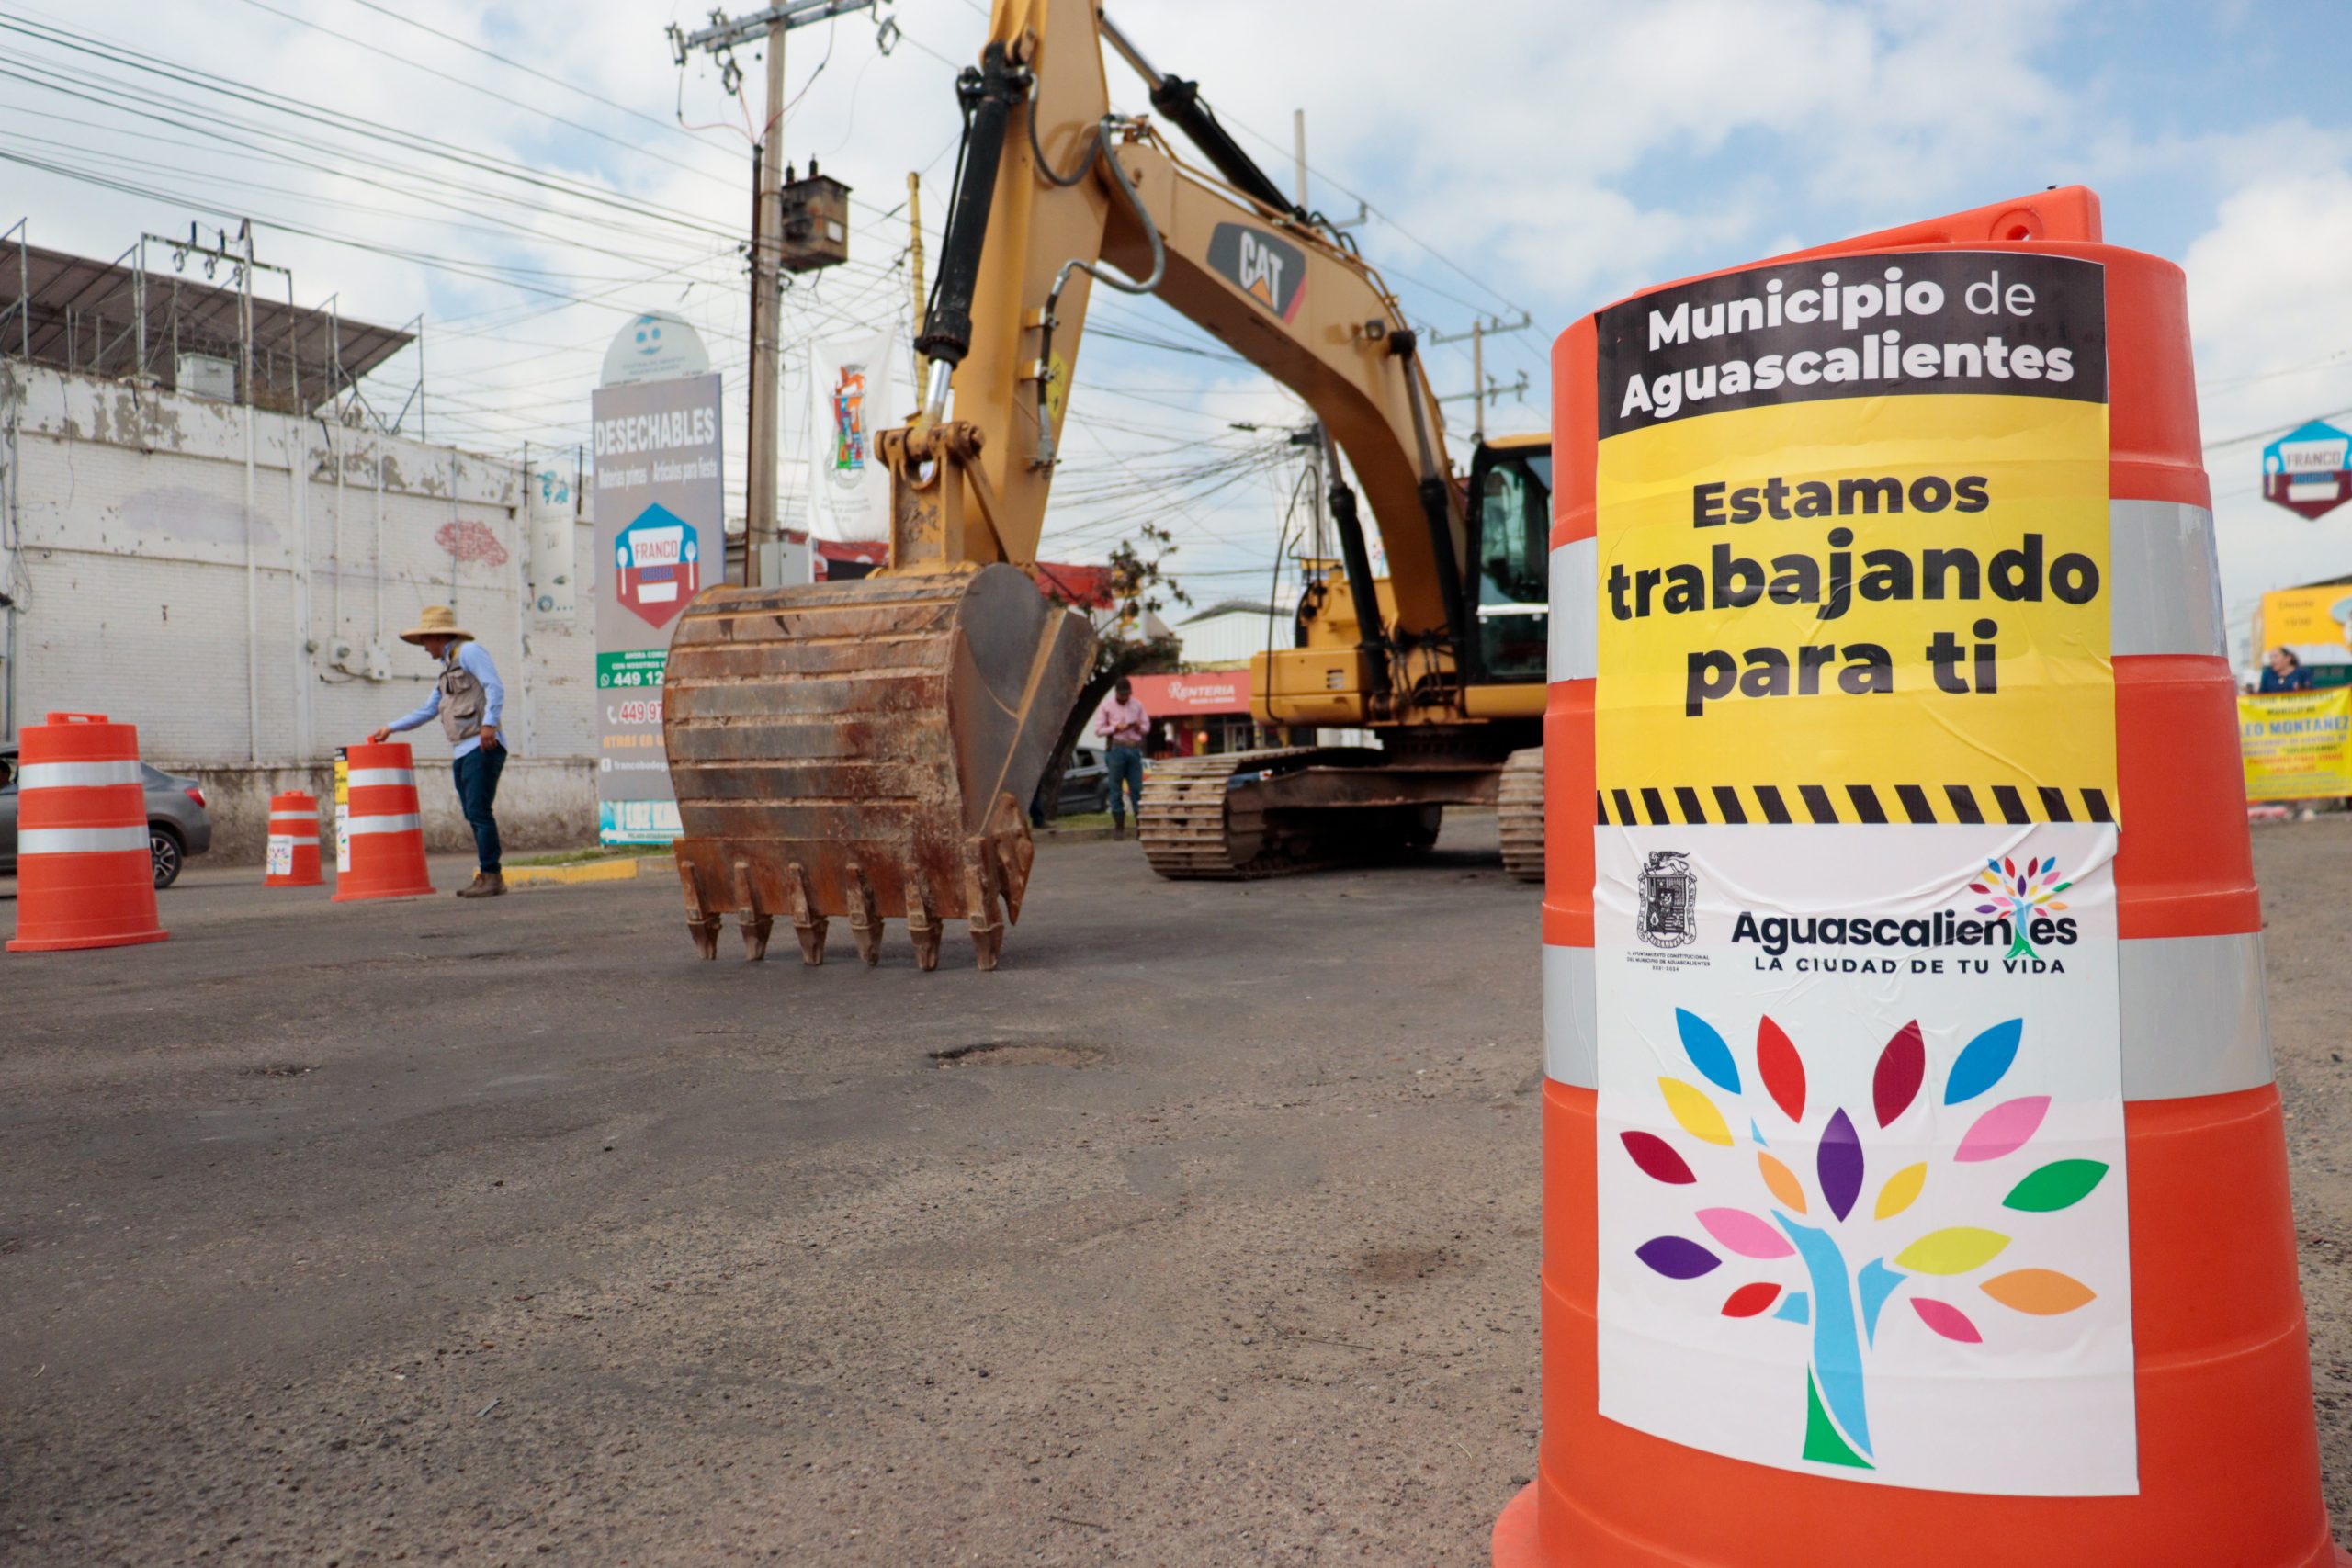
(2285, 673)
(1122, 723)
(470, 700)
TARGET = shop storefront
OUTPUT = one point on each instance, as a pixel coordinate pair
(1200, 714)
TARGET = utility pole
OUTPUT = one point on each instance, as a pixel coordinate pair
(1298, 156)
(1299, 149)
(1480, 391)
(720, 39)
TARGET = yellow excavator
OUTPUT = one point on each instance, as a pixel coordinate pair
(864, 748)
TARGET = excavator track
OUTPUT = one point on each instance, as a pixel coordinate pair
(1196, 825)
(1273, 813)
(1519, 810)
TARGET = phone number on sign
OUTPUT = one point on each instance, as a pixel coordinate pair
(634, 712)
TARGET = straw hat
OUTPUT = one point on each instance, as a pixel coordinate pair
(438, 620)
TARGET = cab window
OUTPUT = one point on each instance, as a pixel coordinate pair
(1512, 557)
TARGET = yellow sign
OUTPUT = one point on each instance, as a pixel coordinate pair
(1866, 602)
(2292, 616)
(2295, 744)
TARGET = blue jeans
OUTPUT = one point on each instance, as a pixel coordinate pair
(1124, 764)
(477, 773)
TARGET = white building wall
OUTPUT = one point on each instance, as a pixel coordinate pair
(132, 527)
(1234, 634)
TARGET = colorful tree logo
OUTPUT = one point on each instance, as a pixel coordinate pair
(1842, 1304)
(2027, 894)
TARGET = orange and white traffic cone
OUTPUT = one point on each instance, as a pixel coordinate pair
(385, 829)
(293, 841)
(2199, 1444)
(85, 876)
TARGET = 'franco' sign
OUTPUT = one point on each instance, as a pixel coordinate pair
(2309, 470)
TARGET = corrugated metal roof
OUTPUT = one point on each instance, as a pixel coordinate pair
(83, 316)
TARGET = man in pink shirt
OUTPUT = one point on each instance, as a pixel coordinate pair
(1122, 723)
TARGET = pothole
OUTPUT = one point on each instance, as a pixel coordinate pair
(1395, 1265)
(1017, 1054)
(280, 1070)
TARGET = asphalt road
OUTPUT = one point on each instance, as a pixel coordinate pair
(508, 1232)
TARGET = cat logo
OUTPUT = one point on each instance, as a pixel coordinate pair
(1270, 270)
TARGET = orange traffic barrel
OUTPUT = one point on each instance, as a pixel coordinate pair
(85, 873)
(1887, 1217)
(384, 829)
(293, 841)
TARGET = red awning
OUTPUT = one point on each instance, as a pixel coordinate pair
(1213, 690)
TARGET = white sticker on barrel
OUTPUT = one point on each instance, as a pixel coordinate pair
(1861, 1206)
(1575, 586)
(281, 855)
(1862, 1186)
(80, 840)
(404, 822)
(79, 775)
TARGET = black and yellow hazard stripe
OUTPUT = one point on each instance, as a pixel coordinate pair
(1848, 805)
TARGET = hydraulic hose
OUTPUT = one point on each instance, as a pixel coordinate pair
(988, 93)
(1099, 148)
(1372, 639)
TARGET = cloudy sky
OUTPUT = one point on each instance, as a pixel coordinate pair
(528, 176)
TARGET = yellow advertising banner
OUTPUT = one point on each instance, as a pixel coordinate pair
(2291, 616)
(2294, 744)
(1883, 599)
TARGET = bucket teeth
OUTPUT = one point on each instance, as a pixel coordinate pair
(805, 922)
(865, 918)
(702, 921)
(755, 921)
(923, 926)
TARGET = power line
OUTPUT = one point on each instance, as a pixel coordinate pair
(491, 91)
(532, 71)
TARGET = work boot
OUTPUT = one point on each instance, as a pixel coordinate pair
(485, 885)
(1119, 827)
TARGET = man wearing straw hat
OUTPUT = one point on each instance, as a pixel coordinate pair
(468, 698)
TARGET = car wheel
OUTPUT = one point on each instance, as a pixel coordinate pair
(164, 845)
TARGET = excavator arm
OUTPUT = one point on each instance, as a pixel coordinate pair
(865, 748)
(1072, 187)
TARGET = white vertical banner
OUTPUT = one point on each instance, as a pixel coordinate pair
(854, 392)
(554, 512)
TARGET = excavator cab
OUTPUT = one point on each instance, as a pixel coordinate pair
(1510, 551)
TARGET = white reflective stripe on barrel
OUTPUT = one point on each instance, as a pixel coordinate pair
(410, 823)
(79, 841)
(1571, 1018)
(2165, 587)
(2193, 1016)
(2194, 1021)
(302, 819)
(80, 775)
(1576, 611)
(376, 778)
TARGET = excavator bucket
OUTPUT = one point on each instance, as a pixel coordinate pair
(865, 748)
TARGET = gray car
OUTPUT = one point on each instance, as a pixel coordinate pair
(178, 825)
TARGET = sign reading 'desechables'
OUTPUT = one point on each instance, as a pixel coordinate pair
(1863, 1207)
(659, 536)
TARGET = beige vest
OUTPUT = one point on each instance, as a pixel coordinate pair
(461, 700)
